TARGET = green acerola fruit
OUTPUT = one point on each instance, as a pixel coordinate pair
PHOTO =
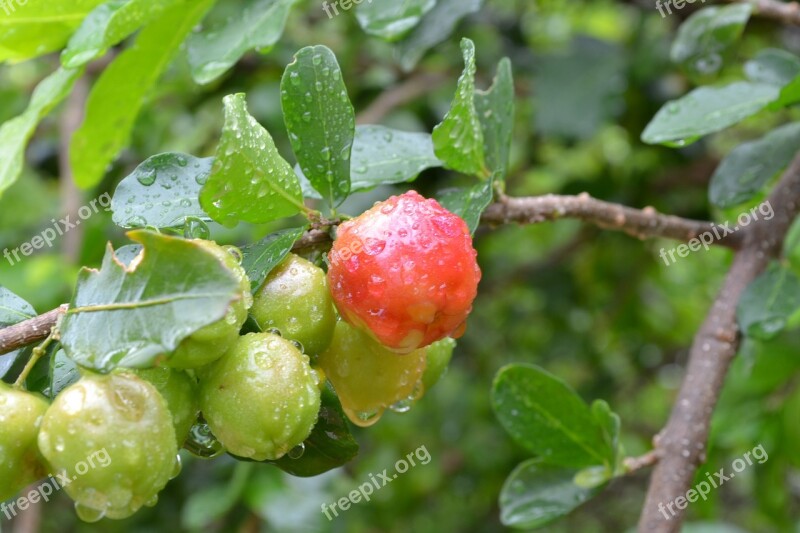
(438, 357)
(209, 343)
(261, 399)
(180, 392)
(295, 300)
(113, 436)
(368, 377)
(21, 415)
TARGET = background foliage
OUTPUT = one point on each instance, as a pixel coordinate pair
(598, 309)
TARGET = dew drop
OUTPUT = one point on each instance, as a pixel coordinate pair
(297, 452)
(88, 514)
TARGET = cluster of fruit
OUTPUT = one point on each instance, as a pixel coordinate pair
(402, 276)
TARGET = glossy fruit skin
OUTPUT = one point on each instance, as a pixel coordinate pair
(119, 428)
(261, 399)
(295, 299)
(21, 415)
(405, 271)
(180, 392)
(438, 357)
(367, 376)
(209, 343)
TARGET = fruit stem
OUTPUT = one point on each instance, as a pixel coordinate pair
(37, 354)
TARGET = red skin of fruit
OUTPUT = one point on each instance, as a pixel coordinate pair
(405, 271)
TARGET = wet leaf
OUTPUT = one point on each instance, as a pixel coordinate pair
(495, 108)
(217, 48)
(250, 180)
(260, 258)
(773, 66)
(162, 192)
(320, 120)
(468, 202)
(769, 302)
(706, 110)
(705, 36)
(745, 171)
(536, 493)
(107, 25)
(546, 417)
(15, 133)
(13, 310)
(131, 316)
(119, 93)
(458, 140)
(390, 19)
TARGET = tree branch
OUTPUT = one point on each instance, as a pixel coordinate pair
(29, 331)
(786, 12)
(639, 223)
(408, 91)
(642, 223)
(681, 444)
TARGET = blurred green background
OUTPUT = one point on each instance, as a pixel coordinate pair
(599, 309)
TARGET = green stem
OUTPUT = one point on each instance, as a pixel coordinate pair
(37, 354)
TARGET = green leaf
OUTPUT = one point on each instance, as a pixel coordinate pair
(768, 302)
(706, 110)
(260, 258)
(704, 37)
(35, 27)
(250, 180)
(108, 25)
(15, 133)
(13, 310)
(63, 373)
(435, 27)
(495, 108)
(131, 316)
(536, 493)
(330, 444)
(383, 156)
(390, 19)
(162, 192)
(458, 140)
(546, 417)
(218, 47)
(469, 202)
(750, 166)
(610, 424)
(119, 94)
(773, 66)
(320, 120)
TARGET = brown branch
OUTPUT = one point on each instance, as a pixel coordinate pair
(29, 331)
(634, 464)
(786, 12)
(408, 91)
(642, 223)
(681, 444)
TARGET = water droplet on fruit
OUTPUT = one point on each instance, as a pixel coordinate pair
(88, 514)
(274, 331)
(202, 443)
(403, 406)
(152, 502)
(176, 469)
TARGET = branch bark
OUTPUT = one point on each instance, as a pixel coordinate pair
(786, 12)
(640, 223)
(681, 445)
(530, 210)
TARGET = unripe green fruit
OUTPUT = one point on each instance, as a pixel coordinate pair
(113, 434)
(367, 376)
(295, 300)
(180, 392)
(209, 343)
(21, 415)
(438, 356)
(261, 398)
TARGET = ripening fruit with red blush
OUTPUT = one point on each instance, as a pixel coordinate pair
(405, 271)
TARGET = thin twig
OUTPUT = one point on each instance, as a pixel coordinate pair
(634, 464)
(408, 91)
(29, 331)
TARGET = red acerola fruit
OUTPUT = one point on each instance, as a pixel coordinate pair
(405, 271)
